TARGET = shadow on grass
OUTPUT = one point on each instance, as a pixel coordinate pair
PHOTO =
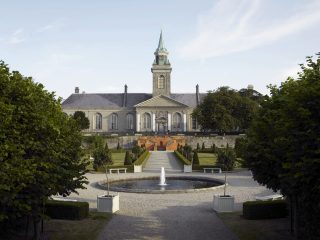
(263, 229)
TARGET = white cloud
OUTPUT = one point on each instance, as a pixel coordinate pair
(17, 37)
(234, 26)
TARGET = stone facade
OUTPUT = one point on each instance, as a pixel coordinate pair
(159, 112)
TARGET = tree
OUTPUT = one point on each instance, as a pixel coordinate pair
(203, 147)
(240, 147)
(137, 151)
(101, 155)
(128, 158)
(81, 119)
(225, 110)
(40, 153)
(195, 158)
(226, 158)
(283, 146)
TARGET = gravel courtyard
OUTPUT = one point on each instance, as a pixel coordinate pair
(171, 216)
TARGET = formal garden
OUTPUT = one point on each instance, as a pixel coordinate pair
(46, 161)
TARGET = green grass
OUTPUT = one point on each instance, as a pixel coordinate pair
(118, 158)
(88, 228)
(244, 229)
(207, 158)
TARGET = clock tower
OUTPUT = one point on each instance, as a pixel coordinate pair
(161, 71)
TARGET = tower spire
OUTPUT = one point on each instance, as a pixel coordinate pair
(161, 47)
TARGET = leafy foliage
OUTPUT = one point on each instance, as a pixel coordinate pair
(81, 119)
(225, 110)
(128, 158)
(40, 147)
(196, 158)
(226, 158)
(240, 147)
(101, 154)
(283, 145)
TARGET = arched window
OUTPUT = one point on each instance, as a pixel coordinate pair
(194, 122)
(129, 121)
(114, 121)
(98, 117)
(146, 120)
(177, 120)
(161, 81)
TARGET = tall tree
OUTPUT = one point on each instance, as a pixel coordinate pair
(81, 119)
(225, 110)
(40, 147)
(283, 146)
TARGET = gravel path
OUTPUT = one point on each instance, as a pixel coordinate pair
(171, 216)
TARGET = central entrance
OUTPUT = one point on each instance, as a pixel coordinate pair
(162, 124)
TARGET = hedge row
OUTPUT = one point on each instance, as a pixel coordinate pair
(67, 209)
(142, 160)
(265, 209)
(182, 158)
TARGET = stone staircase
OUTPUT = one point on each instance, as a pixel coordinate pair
(164, 159)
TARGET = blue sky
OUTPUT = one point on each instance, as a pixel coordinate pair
(101, 45)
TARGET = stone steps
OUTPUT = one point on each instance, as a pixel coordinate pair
(164, 159)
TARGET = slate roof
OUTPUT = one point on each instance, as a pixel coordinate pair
(115, 100)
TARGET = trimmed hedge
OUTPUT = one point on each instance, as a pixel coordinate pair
(182, 158)
(67, 210)
(265, 209)
(142, 160)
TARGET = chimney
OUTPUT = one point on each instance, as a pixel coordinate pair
(125, 96)
(197, 94)
(76, 90)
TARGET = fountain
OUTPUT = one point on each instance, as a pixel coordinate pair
(162, 177)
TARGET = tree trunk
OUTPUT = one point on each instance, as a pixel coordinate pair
(296, 218)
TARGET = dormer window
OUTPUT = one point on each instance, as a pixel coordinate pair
(161, 82)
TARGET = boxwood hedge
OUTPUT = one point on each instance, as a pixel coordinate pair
(67, 209)
(265, 209)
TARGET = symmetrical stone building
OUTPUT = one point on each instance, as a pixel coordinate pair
(160, 112)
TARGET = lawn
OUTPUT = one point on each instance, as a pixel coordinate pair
(88, 228)
(118, 158)
(207, 158)
(264, 229)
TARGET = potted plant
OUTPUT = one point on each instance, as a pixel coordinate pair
(225, 202)
(108, 202)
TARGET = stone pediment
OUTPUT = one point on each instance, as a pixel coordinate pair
(161, 101)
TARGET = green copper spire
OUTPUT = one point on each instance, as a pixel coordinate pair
(161, 47)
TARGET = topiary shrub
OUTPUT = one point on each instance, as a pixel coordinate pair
(265, 209)
(214, 148)
(195, 158)
(66, 209)
(118, 146)
(203, 147)
(128, 158)
(198, 146)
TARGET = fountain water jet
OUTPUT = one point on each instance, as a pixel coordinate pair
(162, 177)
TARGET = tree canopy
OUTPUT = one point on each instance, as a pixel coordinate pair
(81, 119)
(283, 145)
(40, 147)
(225, 110)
